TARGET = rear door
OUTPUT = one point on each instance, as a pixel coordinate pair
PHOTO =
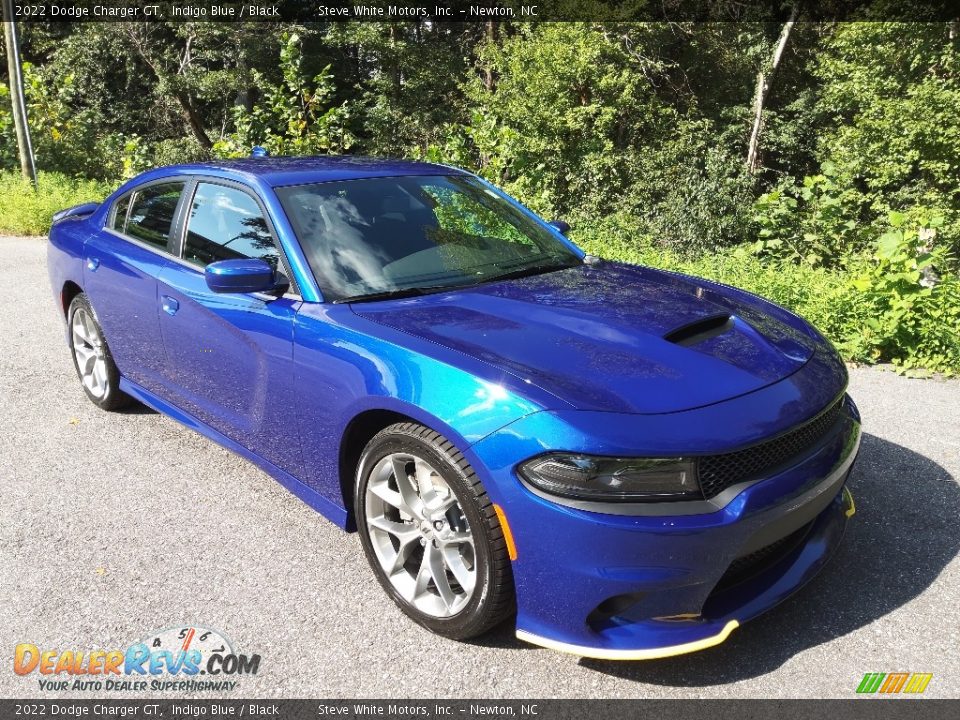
(230, 356)
(122, 262)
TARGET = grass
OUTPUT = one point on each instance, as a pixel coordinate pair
(24, 211)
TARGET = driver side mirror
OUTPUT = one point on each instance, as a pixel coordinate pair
(562, 226)
(247, 275)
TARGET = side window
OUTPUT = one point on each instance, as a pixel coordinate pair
(120, 213)
(227, 224)
(151, 213)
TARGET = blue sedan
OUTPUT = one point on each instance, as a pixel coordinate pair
(629, 462)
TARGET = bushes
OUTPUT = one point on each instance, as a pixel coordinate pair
(294, 117)
(575, 121)
(915, 318)
(25, 212)
(888, 103)
(880, 308)
(811, 222)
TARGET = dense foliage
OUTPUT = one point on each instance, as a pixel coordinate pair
(635, 133)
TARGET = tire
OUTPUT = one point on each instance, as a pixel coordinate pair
(455, 587)
(92, 358)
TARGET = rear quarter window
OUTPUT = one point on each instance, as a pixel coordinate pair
(120, 213)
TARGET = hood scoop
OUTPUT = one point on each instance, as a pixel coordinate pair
(700, 330)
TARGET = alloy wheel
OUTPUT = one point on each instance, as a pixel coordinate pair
(89, 353)
(420, 535)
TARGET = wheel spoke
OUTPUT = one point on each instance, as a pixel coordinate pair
(454, 561)
(404, 532)
(100, 374)
(412, 501)
(438, 503)
(391, 497)
(457, 538)
(423, 577)
(89, 327)
(80, 333)
(85, 357)
(438, 571)
(403, 554)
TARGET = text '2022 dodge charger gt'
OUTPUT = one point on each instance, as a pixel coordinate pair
(629, 461)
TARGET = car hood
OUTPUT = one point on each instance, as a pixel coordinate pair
(613, 337)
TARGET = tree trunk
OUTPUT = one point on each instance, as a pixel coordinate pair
(489, 81)
(190, 113)
(24, 146)
(764, 81)
(193, 120)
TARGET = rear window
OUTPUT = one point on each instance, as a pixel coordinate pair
(151, 213)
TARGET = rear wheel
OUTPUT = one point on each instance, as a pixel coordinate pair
(431, 534)
(98, 373)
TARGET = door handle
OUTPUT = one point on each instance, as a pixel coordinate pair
(93, 263)
(169, 305)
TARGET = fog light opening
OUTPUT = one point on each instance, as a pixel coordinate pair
(600, 616)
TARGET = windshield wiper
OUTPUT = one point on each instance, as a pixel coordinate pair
(414, 291)
(397, 293)
(537, 269)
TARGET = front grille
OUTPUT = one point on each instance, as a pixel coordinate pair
(718, 472)
(746, 566)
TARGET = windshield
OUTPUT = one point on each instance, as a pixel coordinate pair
(384, 237)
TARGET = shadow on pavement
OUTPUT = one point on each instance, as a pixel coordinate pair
(904, 534)
(137, 408)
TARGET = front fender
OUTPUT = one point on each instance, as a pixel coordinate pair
(342, 371)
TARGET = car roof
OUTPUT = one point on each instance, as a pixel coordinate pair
(279, 171)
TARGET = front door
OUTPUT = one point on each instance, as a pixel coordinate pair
(230, 356)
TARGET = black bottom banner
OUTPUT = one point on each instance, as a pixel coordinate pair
(854, 709)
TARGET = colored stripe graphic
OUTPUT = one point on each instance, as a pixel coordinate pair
(918, 682)
(871, 682)
(894, 682)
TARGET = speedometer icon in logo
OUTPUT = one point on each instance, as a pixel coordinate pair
(184, 639)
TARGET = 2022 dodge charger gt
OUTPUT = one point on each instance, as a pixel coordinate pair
(631, 461)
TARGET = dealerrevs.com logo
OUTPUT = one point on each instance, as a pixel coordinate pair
(894, 683)
(185, 658)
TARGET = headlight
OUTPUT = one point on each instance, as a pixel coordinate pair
(588, 477)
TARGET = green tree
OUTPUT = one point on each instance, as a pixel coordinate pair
(890, 118)
(292, 117)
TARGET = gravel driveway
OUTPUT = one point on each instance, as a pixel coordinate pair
(113, 525)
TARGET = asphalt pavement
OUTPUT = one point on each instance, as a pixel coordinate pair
(115, 525)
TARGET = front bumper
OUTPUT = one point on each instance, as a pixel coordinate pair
(641, 587)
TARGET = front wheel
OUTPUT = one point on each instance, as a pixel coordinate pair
(431, 534)
(92, 358)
